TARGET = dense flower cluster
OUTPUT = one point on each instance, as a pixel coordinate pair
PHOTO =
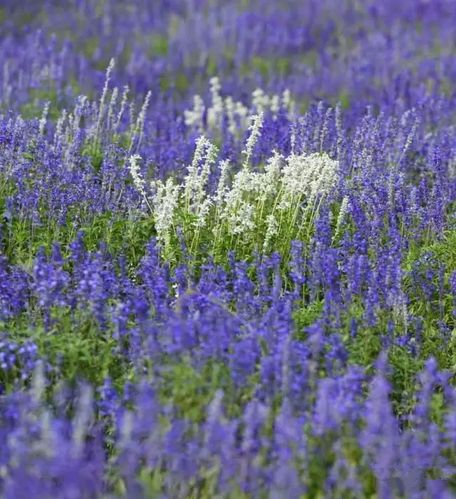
(228, 249)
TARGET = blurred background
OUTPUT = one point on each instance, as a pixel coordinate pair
(396, 54)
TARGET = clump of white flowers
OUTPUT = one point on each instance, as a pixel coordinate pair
(308, 176)
(254, 207)
(263, 102)
(288, 188)
(236, 113)
(162, 200)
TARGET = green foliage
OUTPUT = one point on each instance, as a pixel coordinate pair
(191, 390)
(127, 236)
(74, 346)
(177, 81)
(94, 151)
(267, 66)
(158, 46)
(306, 316)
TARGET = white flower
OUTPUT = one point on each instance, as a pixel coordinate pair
(256, 124)
(139, 125)
(260, 100)
(215, 112)
(123, 105)
(309, 175)
(271, 231)
(236, 112)
(135, 173)
(59, 135)
(112, 104)
(101, 107)
(222, 187)
(43, 118)
(203, 212)
(344, 207)
(270, 178)
(243, 113)
(287, 101)
(194, 117)
(241, 219)
(275, 104)
(197, 176)
(230, 113)
(165, 202)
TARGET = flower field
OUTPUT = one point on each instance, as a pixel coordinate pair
(228, 249)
